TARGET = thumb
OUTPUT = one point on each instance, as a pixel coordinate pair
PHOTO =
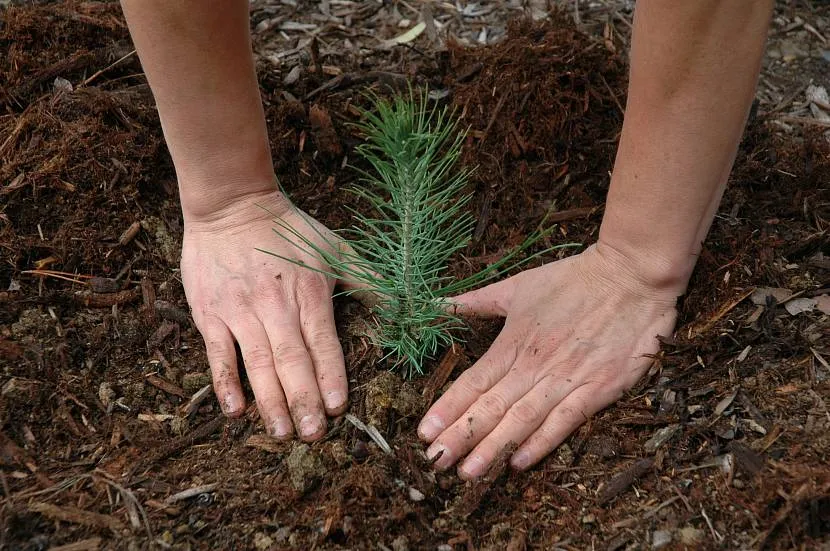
(487, 302)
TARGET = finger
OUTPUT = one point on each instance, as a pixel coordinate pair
(480, 418)
(296, 371)
(469, 386)
(221, 355)
(576, 408)
(320, 336)
(490, 301)
(259, 364)
(519, 422)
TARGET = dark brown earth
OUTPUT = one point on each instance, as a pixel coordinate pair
(724, 445)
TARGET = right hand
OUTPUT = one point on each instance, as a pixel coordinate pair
(281, 314)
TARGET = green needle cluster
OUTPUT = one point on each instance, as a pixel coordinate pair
(418, 221)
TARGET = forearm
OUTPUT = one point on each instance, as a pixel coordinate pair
(694, 67)
(197, 58)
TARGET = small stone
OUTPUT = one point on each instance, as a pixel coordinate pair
(381, 394)
(400, 544)
(304, 467)
(262, 541)
(415, 494)
(192, 382)
(660, 539)
(107, 395)
(689, 535)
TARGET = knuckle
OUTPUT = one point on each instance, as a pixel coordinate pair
(258, 358)
(290, 354)
(313, 289)
(475, 381)
(493, 405)
(526, 413)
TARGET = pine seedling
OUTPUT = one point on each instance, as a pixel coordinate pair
(418, 221)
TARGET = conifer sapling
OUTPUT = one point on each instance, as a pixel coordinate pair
(418, 221)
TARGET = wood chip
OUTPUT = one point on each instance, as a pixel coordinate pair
(129, 234)
(660, 437)
(196, 400)
(91, 544)
(623, 480)
(439, 377)
(74, 515)
(725, 403)
(471, 499)
(167, 386)
(191, 492)
(823, 304)
(265, 443)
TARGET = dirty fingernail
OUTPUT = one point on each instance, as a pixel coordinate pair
(231, 404)
(334, 399)
(521, 460)
(430, 427)
(439, 455)
(281, 428)
(309, 426)
(473, 467)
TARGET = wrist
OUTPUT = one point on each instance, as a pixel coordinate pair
(226, 205)
(663, 274)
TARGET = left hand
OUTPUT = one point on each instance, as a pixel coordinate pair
(577, 334)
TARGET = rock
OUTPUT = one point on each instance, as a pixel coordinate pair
(168, 246)
(107, 395)
(689, 535)
(415, 494)
(381, 394)
(400, 544)
(409, 402)
(304, 467)
(660, 539)
(191, 382)
(262, 541)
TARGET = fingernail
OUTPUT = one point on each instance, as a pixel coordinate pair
(473, 467)
(281, 428)
(521, 460)
(309, 426)
(439, 455)
(334, 399)
(231, 405)
(430, 427)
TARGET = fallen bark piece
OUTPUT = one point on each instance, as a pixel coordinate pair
(91, 544)
(191, 492)
(622, 481)
(661, 437)
(471, 499)
(104, 300)
(265, 443)
(78, 516)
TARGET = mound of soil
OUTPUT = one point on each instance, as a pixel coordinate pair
(110, 437)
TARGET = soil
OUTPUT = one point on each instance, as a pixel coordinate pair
(111, 439)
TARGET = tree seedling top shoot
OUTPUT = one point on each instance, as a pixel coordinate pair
(400, 252)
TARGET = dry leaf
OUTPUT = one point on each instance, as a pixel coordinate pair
(823, 304)
(800, 305)
(759, 296)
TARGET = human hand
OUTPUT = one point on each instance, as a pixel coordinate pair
(281, 314)
(577, 334)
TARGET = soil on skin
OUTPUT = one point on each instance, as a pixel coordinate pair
(725, 444)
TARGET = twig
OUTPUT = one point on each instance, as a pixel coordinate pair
(107, 68)
(715, 533)
(492, 120)
(373, 433)
(191, 492)
(804, 120)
